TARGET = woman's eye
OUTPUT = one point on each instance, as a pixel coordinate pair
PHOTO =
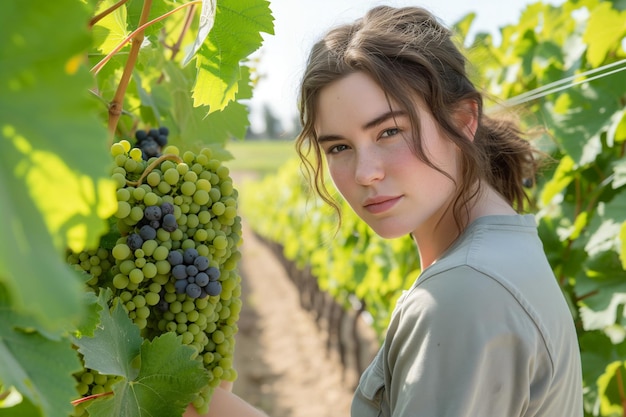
(390, 132)
(337, 148)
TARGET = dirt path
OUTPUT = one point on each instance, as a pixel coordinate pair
(280, 354)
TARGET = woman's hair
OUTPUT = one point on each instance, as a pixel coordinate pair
(409, 53)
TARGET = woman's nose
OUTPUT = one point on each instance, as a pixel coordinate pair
(369, 167)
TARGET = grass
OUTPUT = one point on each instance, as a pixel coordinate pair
(260, 156)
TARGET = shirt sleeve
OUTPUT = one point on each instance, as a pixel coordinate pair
(461, 345)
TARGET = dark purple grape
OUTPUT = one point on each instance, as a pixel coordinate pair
(150, 147)
(155, 224)
(201, 262)
(191, 280)
(175, 258)
(192, 271)
(152, 213)
(134, 241)
(147, 232)
(202, 279)
(167, 208)
(193, 291)
(203, 293)
(169, 219)
(170, 228)
(213, 273)
(179, 272)
(140, 135)
(153, 133)
(181, 286)
(164, 130)
(161, 140)
(163, 305)
(213, 288)
(190, 255)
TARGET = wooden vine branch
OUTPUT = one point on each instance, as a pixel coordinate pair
(183, 32)
(152, 166)
(116, 105)
(176, 47)
(105, 13)
(137, 37)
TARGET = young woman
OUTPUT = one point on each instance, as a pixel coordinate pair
(386, 104)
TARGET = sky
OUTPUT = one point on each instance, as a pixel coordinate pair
(299, 23)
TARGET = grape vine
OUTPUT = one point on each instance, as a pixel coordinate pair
(90, 309)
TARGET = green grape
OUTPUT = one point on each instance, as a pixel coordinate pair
(153, 178)
(152, 298)
(188, 188)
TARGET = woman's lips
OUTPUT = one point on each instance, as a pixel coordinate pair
(380, 204)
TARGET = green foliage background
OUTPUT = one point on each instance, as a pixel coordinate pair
(55, 186)
(581, 196)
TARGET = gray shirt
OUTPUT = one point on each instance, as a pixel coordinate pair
(483, 332)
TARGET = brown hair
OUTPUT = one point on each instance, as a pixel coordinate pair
(408, 52)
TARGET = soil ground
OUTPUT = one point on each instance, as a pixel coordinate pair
(280, 354)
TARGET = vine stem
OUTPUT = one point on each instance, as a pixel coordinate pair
(183, 32)
(176, 47)
(116, 105)
(153, 165)
(91, 397)
(96, 68)
(108, 11)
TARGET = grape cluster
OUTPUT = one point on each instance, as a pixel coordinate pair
(173, 264)
(93, 262)
(151, 141)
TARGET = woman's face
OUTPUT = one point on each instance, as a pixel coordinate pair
(366, 147)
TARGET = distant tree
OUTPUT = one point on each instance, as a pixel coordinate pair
(273, 126)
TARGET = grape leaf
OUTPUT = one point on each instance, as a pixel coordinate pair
(610, 389)
(56, 171)
(605, 29)
(207, 18)
(91, 318)
(157, 8)
(198, 127)
(235, 35)
(115, 343)
(25, 364)
(112, 29)
(168, 380)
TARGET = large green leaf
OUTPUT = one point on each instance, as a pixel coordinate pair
(39, 368)
(605, 30)
(195, 125)
(168, 380)
(235, 35)
(115, 343)
(55, 170)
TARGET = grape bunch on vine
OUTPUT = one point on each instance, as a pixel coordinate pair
(112, 153)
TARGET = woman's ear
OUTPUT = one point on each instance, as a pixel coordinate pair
(467, 117)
